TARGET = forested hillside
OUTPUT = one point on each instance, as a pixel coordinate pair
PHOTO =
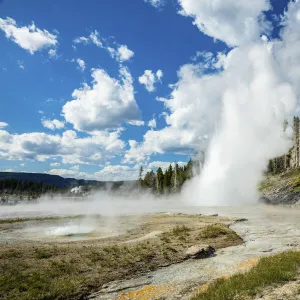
(28, 188)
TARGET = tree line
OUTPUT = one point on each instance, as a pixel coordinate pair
(11, 186)
(171, 180)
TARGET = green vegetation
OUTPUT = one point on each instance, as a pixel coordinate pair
(172, 179)
(180, 230)
(288, 180)
(25, 188)
(269, 270)
(263, 186)
(10, 254)
(42, 253)
(216, 230)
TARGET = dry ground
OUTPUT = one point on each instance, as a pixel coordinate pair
(73, 270)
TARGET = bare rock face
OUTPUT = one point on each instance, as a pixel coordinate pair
(264, 200)
(200, 251)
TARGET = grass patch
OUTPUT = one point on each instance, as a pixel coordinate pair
(180, 230)
(10, 254)
(288, 179)
(295, 181)
(269, 270)
(216, 230)
(19, 283)
(42, 253)
(264, 186)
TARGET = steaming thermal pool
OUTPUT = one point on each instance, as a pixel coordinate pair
(65, 229)
(49, 222)
(71, 229)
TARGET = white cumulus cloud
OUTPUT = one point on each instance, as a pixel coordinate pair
(70, 173)
(118, 173)
(71, 149)
(149, 79)
(53, 53)
(21, 64)
(194, 107)
(28, 37)
(95, 39)
(164, 164)
(123, 53)
(108, 173)
(3, 124)
(156, 3)
(136, 123)
(53, 124)
(81, 64)
(286, 50)
(81, 39)
(152, 123)
(55, 164)
(118, 52)
(233, 22)
(106, 104)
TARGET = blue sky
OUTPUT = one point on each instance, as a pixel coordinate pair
(97, 132)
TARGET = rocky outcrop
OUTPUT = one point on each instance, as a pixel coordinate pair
(283, 194)
(283, 198)
(264, 200)
(200, 251)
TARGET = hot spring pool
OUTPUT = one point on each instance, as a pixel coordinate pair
(64, 229)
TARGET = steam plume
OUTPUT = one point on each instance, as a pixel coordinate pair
(251, 129)
(260, 94)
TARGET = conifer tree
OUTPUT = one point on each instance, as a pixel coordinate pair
(140, 176)
(160, 180)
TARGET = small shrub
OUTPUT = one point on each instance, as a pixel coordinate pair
(165, 254)
(180, 230)
(215, 230)
(165, 238)
(95, 256)
(10, 254)
(42, 254)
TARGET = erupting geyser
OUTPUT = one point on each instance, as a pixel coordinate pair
(255, 102)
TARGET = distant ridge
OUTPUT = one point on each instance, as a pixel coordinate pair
(56, 180)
